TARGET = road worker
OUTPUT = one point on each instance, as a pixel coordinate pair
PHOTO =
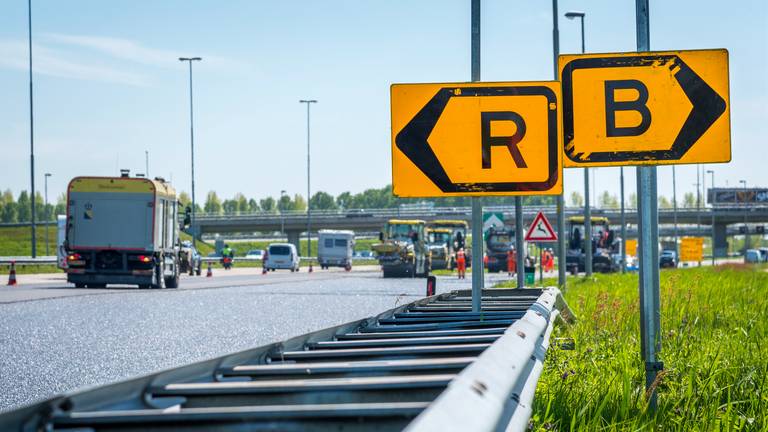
(511, 261)
(461, 263)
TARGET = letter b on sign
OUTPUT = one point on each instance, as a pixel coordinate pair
(638, 105)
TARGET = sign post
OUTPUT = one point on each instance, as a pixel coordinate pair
(645, 109)
(478, 279)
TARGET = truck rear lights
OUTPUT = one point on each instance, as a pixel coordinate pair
(75, 259)
(145, 258)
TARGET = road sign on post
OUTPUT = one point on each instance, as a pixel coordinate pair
(631, 245)
(476, 139)
(492, 220)
(691, 248)
(540, 230)
(646, 108)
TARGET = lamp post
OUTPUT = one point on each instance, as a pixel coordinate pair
(587, 210)
(746, 229)
(713, 217)
(282, 217)
(47, 213)
(191, 143)
(309, 206)
(31, 132)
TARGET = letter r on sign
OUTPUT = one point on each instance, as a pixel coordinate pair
(510, 142)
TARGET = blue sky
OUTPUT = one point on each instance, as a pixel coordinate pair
(108, 85)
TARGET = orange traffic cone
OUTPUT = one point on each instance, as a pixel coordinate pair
(210, 272)
(12, 274)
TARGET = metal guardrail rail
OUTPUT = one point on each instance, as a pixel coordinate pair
(427, 366)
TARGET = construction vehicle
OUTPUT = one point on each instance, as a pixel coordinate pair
(604, 246)
(403, 250)
(440, 247)
(498, 242)
(122, 230)
(459, 229)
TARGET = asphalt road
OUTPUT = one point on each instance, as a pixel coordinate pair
(55, 338)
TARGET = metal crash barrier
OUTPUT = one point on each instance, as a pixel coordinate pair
(429, 365)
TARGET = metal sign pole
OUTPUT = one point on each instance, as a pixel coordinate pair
(561, 197)
(648, 226)
(477, 206)
(519, 235)
(623, 225)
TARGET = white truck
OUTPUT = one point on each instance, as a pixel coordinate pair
(334, 248)
(122, 230)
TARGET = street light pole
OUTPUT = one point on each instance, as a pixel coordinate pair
(31, 132)
(561, 197)
(309, 205)
(282, 216)
(191, 143)
(746, 229)
(713, 218)
(47, 214)
(587, 209)
(146, 163)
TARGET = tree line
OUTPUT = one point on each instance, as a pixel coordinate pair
(18, 209)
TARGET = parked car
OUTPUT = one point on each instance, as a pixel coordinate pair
(190, 260)
(282, 256)
(668, 259)
(763, 254)
(752, 256)
(255, 254)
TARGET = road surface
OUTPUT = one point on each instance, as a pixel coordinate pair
(56, 338)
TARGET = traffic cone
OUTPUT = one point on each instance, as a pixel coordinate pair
(210, 272)
(12, 274)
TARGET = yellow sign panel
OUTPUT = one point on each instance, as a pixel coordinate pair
(631, 247)
(648, 108)
(691, 249)
(476, 139)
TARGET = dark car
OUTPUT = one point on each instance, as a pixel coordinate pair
(668, 259)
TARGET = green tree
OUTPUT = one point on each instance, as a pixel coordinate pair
(284, 203)
(323, 201)
(184, 199)
(229, 206)
(608, 201)
(268, 205)
(576, 199)
(343, 200)
(253, 206)
(23, 207)
(689, 200)
(212, 203)
(299, 203)
(664, 202)
(242, 203)
(61, 205)
(632, 203)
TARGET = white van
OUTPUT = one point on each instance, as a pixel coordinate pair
(282, 256)
(335, 248)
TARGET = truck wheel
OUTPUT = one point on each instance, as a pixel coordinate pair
(97, 285)
(173, 281)
(79, 285)
(159, 279)
(199, 269)
(143, 286)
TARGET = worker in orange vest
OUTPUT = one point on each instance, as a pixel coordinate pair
(461, 263)
(511, 261)
(549, 254)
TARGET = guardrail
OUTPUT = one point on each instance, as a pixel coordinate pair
(431, 365)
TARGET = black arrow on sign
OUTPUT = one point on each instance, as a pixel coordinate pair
(708, 106)
(413, 139)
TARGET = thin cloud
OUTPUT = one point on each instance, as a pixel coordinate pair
(14, 54)
(129, 50)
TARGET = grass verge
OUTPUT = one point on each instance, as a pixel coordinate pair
(713, 348)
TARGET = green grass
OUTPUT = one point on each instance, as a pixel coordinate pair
(17, 241)
(713, 323)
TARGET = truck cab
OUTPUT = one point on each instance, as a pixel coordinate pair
(403, 249)
(498, 242)
(604, 245)
(459, 229)
(122, 230)
(440, 247)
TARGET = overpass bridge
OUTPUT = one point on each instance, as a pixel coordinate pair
(367, 220)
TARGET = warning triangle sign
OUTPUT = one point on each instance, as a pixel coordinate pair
(540, 230)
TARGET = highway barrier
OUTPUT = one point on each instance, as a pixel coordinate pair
(431, 365)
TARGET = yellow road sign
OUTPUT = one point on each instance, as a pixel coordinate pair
(476, 139)
(631, 247)
(691, 249)
(646, 108)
